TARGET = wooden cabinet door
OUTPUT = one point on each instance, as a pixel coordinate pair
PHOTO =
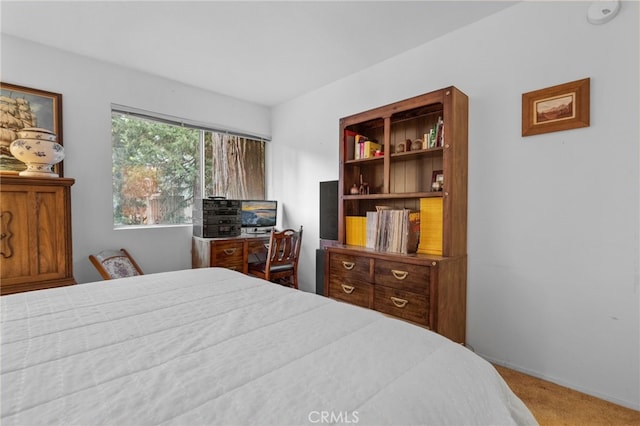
(35, 244)
(49, 243)
(14, 235)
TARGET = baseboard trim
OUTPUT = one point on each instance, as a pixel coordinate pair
(614, 400)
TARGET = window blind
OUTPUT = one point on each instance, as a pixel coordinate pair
(192, 124)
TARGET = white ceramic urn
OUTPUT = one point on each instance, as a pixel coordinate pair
(39, 150)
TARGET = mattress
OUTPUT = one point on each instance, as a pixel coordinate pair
(215, 347)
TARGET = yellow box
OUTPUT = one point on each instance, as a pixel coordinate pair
(430, 226)
(356, 230)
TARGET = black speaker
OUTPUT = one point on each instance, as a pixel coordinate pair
(320, 271)
(329, 210)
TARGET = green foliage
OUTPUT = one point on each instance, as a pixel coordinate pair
(155, 171)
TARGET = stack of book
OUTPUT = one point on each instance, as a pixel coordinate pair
(430, 226)
(367, 148)
(435, 136)
(363, 147)
(392, 230)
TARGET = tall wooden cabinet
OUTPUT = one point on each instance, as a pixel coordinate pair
(35, 237)
(427, 289)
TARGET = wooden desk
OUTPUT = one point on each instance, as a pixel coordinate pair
(229, 252)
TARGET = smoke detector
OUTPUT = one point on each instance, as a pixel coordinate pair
(602, 11)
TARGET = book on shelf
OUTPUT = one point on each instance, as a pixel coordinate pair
(431, 139)
(369, 149)
(349, 140)
(372, 226)
(439, 132)
(393, 230)
(358, 148)
(435, 136)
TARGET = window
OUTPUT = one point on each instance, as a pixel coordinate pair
(160, 167)
(234, 167)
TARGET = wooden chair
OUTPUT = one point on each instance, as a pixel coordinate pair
(281, 265)
(114, 264)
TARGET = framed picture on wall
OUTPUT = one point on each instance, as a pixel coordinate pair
(561, 107)
(23, 107)
(437, 180)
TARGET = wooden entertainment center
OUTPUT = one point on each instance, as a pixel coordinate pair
(428, 289)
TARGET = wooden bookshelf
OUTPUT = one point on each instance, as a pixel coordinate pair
(431, 288)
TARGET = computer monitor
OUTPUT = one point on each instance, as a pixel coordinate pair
(259, 215)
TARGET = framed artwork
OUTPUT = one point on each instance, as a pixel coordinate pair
(22, 107)
(437, 180)
(561, 107)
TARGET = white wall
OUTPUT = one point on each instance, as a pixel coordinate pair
(88, 88)
(553, 219)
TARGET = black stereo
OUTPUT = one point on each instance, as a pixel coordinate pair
(213, 218)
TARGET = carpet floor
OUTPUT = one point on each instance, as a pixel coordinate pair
(552, 404)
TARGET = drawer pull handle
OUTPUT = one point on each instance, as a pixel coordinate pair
(400, 275)
(229, 252)
(348, 265)
(347, 288)
(400, 303)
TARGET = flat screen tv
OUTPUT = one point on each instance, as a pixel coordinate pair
(259, 215)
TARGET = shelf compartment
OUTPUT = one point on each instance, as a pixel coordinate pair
(414, 173)
(359, 205)
(372, 173)
(373, 130)
(413, 124)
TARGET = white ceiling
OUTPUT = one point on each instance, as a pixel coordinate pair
(265, 52)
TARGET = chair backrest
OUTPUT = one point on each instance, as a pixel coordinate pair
(112, 264)
(284, 248)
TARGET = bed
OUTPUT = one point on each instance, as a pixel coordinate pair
(212, 346)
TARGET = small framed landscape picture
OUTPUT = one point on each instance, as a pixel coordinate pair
(561, 107)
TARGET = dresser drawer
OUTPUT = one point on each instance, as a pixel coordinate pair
(360, 294)
(258, 245)
(351, 269)
(402, 276)
(228, 254)
(402, 304)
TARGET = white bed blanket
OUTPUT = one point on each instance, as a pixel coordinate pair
(212, 346)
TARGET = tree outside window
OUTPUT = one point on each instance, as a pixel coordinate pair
(157, 171)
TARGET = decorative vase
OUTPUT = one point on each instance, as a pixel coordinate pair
(38, 149)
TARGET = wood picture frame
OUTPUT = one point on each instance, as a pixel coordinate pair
(37, 108)
(437, 176)
(556, 108)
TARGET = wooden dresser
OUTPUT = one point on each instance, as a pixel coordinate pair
(35, 240)
(426, 290)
